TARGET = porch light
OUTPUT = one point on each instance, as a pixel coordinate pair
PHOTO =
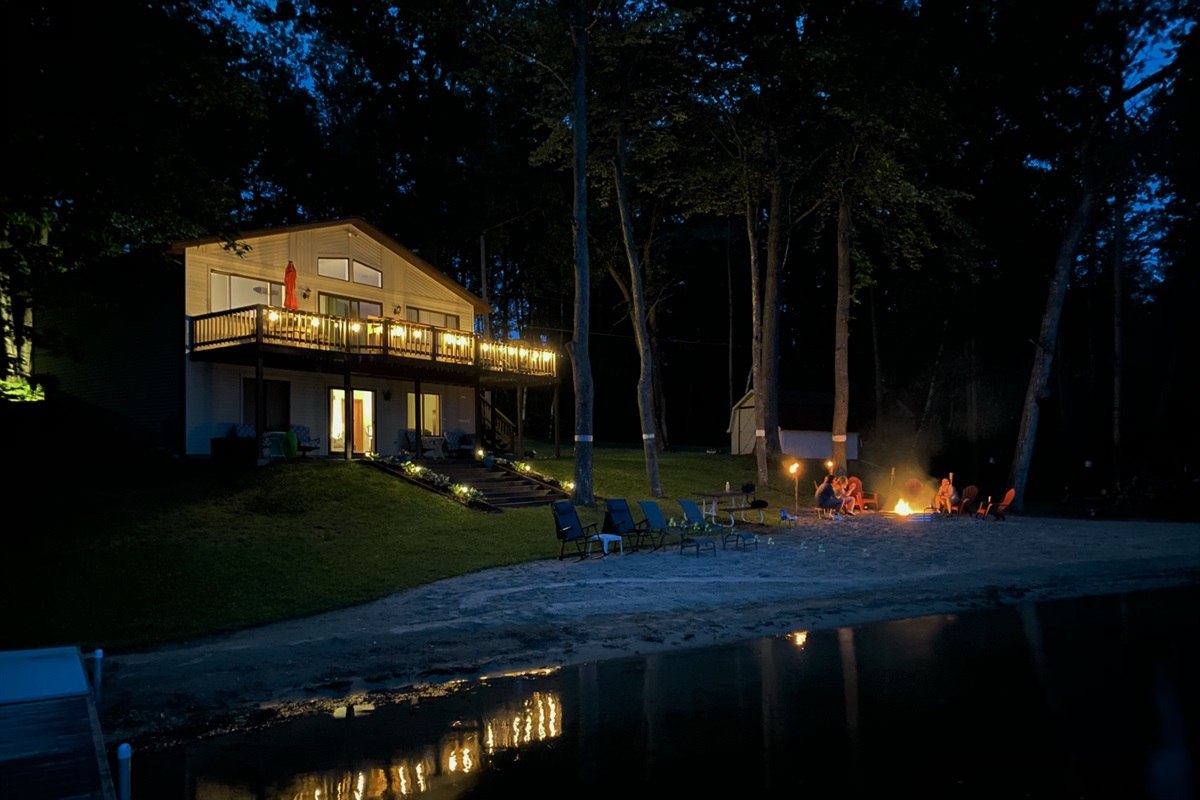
(569, 486)
(484, 347)
(315, 322)
(479, 453)
(355, 327)
(273, 316)
(416, 334)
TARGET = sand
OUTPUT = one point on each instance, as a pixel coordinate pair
(817, 574)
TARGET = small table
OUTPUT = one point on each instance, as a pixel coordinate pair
(709, 501)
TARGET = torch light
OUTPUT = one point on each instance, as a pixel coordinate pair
(794, 470)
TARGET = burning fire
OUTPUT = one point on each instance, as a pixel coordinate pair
(903, 509)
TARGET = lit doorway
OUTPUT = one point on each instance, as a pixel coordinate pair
(363, 424)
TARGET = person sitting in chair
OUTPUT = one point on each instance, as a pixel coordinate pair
(841, 485)
(827, 497)
(946, 497)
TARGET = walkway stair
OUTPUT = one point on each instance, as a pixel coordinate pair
(501, 487)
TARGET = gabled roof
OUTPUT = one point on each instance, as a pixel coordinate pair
(364, 227)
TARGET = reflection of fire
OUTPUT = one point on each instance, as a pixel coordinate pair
(902, 509)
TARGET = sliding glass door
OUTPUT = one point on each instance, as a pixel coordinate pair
(362, 427)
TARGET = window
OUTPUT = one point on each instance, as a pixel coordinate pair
(277, 402)
(334, 268)
(233, 291)
(431, 414)
(367, 276)
(337, 306)
(434, 318)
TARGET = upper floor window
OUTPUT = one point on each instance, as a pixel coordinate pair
(339, 269)
(234, 291)
(367, 276)
(350, 307)
(434, 318)
(334, 268)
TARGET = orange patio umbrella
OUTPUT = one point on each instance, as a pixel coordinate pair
(289, 287)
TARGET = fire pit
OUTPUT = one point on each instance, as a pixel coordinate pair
(905, 513)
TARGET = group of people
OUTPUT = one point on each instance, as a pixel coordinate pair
(835, 494)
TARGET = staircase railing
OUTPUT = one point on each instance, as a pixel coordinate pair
(504, 437)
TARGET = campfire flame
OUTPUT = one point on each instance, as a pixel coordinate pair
(902, 509)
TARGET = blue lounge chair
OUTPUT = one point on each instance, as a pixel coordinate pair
(618, 519)
(697, 525)
(656, 523)
(568, 528)
(695, 518)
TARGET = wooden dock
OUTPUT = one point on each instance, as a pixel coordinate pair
(50, 741)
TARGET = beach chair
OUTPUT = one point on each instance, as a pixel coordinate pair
(568, 528)
(656, 523)
(695, 518)
(618, 519)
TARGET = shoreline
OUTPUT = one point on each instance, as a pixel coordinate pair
(550, 613)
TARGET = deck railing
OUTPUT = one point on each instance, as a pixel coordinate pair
(266, 325)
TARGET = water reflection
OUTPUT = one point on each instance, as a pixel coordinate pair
(1081, 698)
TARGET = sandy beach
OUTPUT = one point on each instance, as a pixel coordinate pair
(548, 613)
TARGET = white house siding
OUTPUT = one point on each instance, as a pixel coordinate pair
(215, 403)
(815, 444)
(214, 392)
(403, 283)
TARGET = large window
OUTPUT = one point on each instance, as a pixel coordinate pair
(431, 414)
(435, 318)
(233, 291)
(350, 307)
(340, 269)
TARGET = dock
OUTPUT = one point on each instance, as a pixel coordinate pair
(50, 741)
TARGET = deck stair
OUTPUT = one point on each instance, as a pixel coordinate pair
(501, 487)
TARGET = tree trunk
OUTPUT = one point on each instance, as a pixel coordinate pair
(841, 334)
(756, 336)
(581, 365)
(881, 430)
(1043, 356)
(770, 323)
(1118, 277)
(640, 333)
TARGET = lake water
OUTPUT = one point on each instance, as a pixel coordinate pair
(1087, 698)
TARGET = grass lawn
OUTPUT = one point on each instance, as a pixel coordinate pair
(102, 555)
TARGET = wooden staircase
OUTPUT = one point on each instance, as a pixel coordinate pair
(501, 488)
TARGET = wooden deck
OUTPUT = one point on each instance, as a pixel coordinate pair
(50, 741)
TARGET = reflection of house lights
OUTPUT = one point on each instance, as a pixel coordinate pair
(799, 638)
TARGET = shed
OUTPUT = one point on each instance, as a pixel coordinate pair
(804, 419)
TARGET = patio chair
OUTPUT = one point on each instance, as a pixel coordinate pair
(305, 444)
(862, 498)
(656, 523)
(996, 509)
(568, 528)
(618, 519)
(694, 517)
(963, 506)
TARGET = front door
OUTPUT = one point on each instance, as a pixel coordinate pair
(362, 427)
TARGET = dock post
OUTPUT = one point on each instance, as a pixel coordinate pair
(124, 753)
(97, 662)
